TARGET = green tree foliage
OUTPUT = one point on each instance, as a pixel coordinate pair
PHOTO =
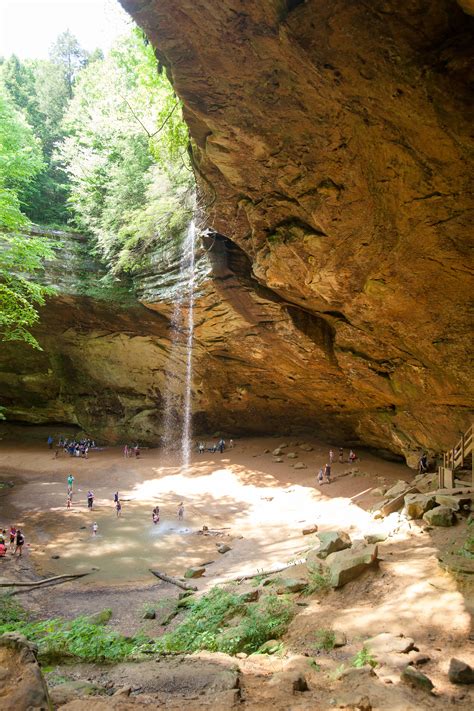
(126, 154)
(67, 54)
(42, 90)
(20, 256)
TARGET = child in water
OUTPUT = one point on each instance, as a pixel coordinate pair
(95, 528)
(181, 511)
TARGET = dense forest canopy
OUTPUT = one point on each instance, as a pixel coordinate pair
(91, 143)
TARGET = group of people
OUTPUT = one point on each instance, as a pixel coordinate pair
(217, 447)
(16, 539)
(325, 472)
(155, 514)
(73, 447)
(132, 451)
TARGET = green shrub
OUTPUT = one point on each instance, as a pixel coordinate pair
(221, 621)
(325, 639)
(318, 581)
(362, 658)
(10, 611)
(80, 638)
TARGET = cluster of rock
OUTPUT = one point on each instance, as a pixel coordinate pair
(419, 501)
(278, 454)
(339, 559)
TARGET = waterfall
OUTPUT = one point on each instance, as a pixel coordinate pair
(189, 245)
(177, 414)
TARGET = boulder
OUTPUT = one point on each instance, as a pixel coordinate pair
(440, 516)
(380, 491)
(183, 603)
(300, 465)
(310, 529)
(399, 488)
(149, 614)
(291, 585)
(378, 537)
(460, 672)
(417, 679)
(347, 565)
(292, 455)
(417, 504)
(340, 639)
(355, 674)
(426, 482)
(277, 452)
(194, 572)
(100, 618)
(21, 683)
(270, 646)
(277, 460)
(250, 596)
(223, 548)
(395, 504)
(386, 643)
(291, 680)
(123, 691)
(329, 542)
(457, 503)
(306, 447)
(70, 690)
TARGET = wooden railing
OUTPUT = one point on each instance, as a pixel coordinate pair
(456, 457)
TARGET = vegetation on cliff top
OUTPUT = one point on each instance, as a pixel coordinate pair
(92, 143)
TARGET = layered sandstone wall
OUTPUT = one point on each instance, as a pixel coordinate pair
(332, 143)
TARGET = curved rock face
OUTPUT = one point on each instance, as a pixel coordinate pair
(331, 140)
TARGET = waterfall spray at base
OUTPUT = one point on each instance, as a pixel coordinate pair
(178, 388)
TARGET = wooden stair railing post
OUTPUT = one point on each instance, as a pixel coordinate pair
(462, 451)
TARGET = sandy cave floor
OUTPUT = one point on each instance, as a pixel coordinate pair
(259, 508)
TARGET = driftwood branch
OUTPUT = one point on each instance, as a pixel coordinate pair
(36, 583)
(173, 581)
(262, 573)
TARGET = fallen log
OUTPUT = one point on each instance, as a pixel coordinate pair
(263, 573)
(38, 583)
(173, 581)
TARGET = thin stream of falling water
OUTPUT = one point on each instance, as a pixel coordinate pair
(187, 415)
(177, 415)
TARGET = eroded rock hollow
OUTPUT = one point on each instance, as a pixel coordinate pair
(331, 146)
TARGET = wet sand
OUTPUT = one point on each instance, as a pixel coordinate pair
(257, 506)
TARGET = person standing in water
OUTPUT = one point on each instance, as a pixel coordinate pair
(12, 535)
(20, 540)
(180, 511)
(118, 508)
(95, 528)
(70, 483)
(90, 499)
(327, 471)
